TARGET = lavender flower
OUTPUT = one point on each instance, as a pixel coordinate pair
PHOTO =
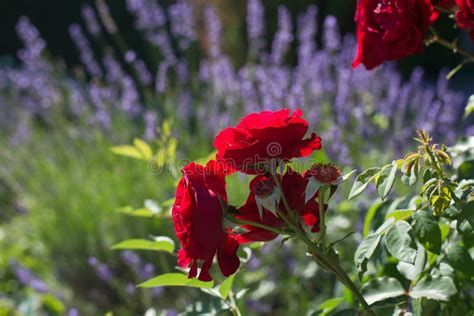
(214, 29)
(182, 23)
(86, 54)
(255, 26)
(101, 269)
(27, 278)
(89, 16)
(283, 37)
(105, 16)
(331, 36)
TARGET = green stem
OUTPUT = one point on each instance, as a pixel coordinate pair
(255, 224)
(322, 217)
(234, 309)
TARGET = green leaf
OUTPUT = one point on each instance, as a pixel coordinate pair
(370, 215)
(362, 181)
(399, 242)
(380, 289)
(460, 260)
(386, 180)
(175, 279)
(144, 148)
(226, 286)
(411, 271)
(329, 305)
(439, 288)
(365, 251)
(465, 224)
(127, 151)
(427, 231)
(400, 214)
(160, 244)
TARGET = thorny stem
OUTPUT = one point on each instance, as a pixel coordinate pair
(319, 256)
(234, 309)
(322, 217)
(255, 224)
(451, 45)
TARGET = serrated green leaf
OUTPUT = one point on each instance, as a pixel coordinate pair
(161, 244)
(226, 286)
(400, 243)
(365, 251)
(439, 288)
(460, 260)
(175, 279)
(362, 181)
(427, 231)
(380, 289)
(386, 180)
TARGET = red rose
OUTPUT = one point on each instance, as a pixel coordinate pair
(197, 217)
(263, 187)
(465, 15)
(260, 187)
(262, 137)
(294, 185)
(390, 30)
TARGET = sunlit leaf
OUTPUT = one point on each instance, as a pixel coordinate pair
(175, 279)
(362, 181)
(380, 289)
(386, 180)
(329, 305)
(128, 151)
(144, 148)
(226, 286)
(436, 288)
(160, 244)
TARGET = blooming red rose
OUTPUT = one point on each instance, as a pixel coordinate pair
(390, 30)
(465, 15)
(198, 221)
(263, 187)
(262, 137)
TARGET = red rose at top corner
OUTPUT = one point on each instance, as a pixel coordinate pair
(261, 137)
(465, 15)
(198, 221)
(389, 30)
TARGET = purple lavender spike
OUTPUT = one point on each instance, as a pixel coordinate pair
(255, 26)
(331, 35)
(90, 18)
(182, 23)
(213, 29)
(86, 54)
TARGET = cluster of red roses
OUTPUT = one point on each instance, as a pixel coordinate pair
(201, 197)
(390, 30)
